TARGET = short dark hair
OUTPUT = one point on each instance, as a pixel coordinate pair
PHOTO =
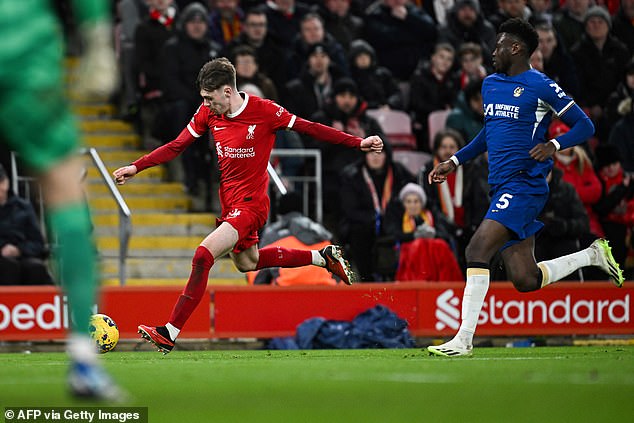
(215, 74)
(310, 16)
(3, 173)
(523, 31)
(244, 50)
(255, 10)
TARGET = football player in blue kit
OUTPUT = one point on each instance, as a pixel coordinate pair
(518, 106)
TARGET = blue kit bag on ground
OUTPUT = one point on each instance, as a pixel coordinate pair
(377, 327)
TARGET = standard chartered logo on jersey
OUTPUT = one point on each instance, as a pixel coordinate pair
(235, 153)
(519, 312)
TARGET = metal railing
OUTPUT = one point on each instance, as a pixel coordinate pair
(306, 180)
(125, 224)
(125, 221)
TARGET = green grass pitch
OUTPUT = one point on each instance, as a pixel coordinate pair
(547, 384)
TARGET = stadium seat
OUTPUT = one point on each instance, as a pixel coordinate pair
(412, 160)
(436, 122)
(397, 126)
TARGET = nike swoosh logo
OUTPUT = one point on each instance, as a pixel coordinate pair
(218, 128)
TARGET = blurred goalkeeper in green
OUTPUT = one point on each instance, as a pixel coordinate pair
(36, 122)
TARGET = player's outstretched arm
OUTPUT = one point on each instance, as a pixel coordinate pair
(372, 143)
(124, 173)
(440, 171)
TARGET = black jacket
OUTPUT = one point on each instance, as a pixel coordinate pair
(19, 226)
(149, 38)
(399, 44)
(599, 71)
(272, 59)
(376, 83)
(181, 59)
(481, 33)
(356, 201)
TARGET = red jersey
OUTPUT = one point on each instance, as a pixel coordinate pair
(244, 141)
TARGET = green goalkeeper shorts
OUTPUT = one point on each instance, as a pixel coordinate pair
(36, 120)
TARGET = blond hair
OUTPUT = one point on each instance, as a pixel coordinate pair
(584, 159)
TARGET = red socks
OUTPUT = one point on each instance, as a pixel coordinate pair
(202, 263)
(195, 288)
(283, 257)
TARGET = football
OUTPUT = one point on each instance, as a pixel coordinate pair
(104, 331)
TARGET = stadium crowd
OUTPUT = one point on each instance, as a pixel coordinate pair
(346, 62)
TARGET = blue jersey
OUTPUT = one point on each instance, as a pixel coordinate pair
(517, 112)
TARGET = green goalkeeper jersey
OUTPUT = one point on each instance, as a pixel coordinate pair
(36, 120)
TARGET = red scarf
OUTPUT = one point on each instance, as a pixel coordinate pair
(166, 19)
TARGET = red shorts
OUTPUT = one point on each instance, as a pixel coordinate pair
(247, 222)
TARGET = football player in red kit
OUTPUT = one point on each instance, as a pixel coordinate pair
(243, 129)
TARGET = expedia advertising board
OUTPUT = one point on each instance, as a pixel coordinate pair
(430, 308)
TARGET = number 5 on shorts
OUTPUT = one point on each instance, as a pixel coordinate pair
(503, 202)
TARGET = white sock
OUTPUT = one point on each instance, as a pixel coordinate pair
(82, 348)
(472, 300)
(318, 260)
(173, 330)
(556, 269)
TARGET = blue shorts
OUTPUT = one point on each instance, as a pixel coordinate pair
(516, 205)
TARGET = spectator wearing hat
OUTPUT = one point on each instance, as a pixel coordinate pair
(600, 59)
(379, 87)
(150, 36)
(311, 32)
(346, 112)
(623, 24)
(466, 24)
(579, 172)
(180, 59)
(412, 230)
(401, 34)
(615, 208)
(22, 250)
(569, 21)
(312, 90)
